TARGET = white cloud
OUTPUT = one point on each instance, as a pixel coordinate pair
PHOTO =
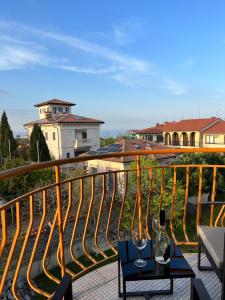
(22, 46)
(174, 87)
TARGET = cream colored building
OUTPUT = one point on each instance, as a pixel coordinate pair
(215, 136)
(67, 135)
(186, 133)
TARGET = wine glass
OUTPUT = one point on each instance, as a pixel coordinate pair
(140, 243)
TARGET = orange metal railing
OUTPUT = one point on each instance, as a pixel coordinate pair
(100, 212)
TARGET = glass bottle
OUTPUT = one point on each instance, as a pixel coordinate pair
(162, 242)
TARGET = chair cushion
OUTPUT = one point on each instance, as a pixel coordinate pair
(213, 239)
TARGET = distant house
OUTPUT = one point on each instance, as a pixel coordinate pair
(67, 135)
(123, 163)
(214, 136)
(186, 133)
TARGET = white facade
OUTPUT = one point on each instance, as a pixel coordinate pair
(66, 139)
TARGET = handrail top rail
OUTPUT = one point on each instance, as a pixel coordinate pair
(47, 164)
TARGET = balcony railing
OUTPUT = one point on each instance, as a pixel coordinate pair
(78, 221)
(81, 142)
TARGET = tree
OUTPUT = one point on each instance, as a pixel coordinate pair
(38, 146)
(7, 142)
(166, 197)
(207, 177)
(107, 141)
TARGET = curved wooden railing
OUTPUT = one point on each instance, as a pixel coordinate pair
(93, 211)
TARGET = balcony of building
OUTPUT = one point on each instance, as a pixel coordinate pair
(79, 142)
(72, 226)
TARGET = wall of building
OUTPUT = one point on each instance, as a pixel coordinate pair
(216, 141)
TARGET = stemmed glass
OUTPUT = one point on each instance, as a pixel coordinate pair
(140, 243)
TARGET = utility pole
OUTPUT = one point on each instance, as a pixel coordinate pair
(38, 154)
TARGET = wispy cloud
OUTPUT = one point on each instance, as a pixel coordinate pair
(174, 87)
(22, 46)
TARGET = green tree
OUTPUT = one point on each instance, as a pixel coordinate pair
(207, 176)
(7, 142)
(107, 141)
(155, 196)
(19, 185)
(38, 146)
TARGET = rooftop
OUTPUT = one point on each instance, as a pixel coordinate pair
(125, 145)
(65, 119)
(56, 102)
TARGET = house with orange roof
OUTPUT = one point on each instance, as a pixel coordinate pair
(215, 136)
(67, 135)
(187, 133)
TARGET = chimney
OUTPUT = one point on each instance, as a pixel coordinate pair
(157, 124)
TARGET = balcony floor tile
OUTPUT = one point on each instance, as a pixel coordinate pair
(103, 284)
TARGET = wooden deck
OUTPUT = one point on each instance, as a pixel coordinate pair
(103, 284)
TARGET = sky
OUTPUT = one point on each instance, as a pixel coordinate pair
(128, 63)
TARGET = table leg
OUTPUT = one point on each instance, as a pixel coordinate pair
(124, 290)
(119, 280)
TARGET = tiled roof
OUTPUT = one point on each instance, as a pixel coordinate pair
(218, 128)
(125, 145)
(61, 119)
(156, 130)
(55, 101)
(191, 124)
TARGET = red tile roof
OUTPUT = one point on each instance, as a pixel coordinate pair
(67, 119)
(191, 124)
(153, 130)
(55, 101)
(218, 128)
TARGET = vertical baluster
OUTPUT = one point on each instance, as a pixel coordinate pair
(213, 195)
(149, 203)
(110, 213)
(32, 286)
(162, 188)
(4, 231)
(173, 203)
(75, 226)
(14, 242)
(99, 216)
(139, 196)
(86, 224)
(185, 203)
(199, 199)
(31, 204)
(60, 218)
(122, 205)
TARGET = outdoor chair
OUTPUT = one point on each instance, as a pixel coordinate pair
(212, 241)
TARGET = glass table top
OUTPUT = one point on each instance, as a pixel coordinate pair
(178, 267)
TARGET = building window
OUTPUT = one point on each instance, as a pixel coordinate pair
(40, 110)
(84, 135)
(68, 155)
(211, 139)
(53, 136)
(46, 136)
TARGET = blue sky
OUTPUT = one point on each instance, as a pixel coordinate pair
(129, 63)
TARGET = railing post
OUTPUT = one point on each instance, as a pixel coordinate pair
(60, 220)
(139, 198)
